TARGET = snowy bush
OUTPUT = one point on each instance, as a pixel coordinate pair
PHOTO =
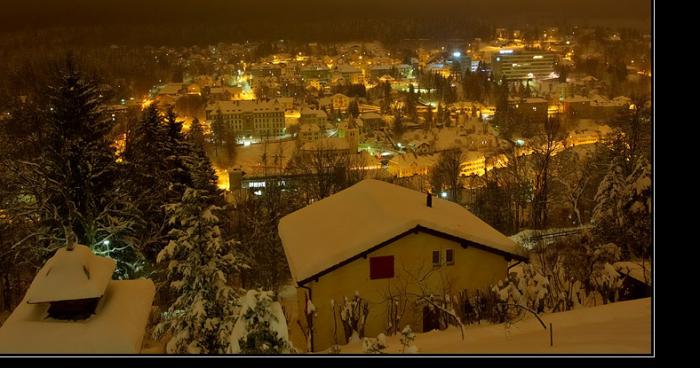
(374, 346)
(353, 314)
(528, 290)
(407, 338)
(261, 327)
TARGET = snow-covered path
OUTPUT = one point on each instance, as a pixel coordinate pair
(618, 328)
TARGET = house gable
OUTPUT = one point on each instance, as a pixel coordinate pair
(463, 243)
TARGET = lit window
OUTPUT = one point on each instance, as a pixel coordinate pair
(450, 256)
(381, 267)
(436, 258)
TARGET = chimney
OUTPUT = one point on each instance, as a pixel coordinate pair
(429, 200)
(70, 238)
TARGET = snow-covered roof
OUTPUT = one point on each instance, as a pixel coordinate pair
(410, 159)
(317, 113)
(72, 275)
(243, 106)
(117, 327)
(577, 98)
(327, 144)
(309, 128)
(370, 115)
(352, 221)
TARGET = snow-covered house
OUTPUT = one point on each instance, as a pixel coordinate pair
(308, 133)
(74, 307)
(372, 121)
(311, 116)
(338, 102)
(376, 240)
(420, 146)
(410, 164)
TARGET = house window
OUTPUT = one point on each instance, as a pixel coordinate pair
(436, 258)
(449, 256)
(381, 267)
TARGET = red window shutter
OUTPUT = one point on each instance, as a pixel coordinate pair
(381, 267)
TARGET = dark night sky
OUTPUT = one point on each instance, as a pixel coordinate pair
(49, 13)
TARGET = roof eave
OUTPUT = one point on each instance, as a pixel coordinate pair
(418, 228)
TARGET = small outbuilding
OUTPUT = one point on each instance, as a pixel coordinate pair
(74, 307)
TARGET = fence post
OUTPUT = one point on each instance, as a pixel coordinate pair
(551, 335)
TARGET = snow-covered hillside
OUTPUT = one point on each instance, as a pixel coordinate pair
(618, 328)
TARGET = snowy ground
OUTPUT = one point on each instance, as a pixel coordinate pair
(619, 328)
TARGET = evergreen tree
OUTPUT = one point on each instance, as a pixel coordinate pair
(261, 327)
(354, 109)
(386, 97)
(148, 180)
(77, 171)
(199, 262)
(411, 103)
(218, 131)
(196, 133)
(429, 117)
(636, 203)
(607, 213)
(398, 127)
(177, 151)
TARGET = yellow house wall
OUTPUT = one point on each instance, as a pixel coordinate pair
(473, 269)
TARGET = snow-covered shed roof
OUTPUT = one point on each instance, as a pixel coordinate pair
(72, 275)
(117, 327)
(343, 226)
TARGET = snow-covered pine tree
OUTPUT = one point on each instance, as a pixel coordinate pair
(199, 260)
(77, 171)
(607, 213)
(196, 133)
(148, 181)
(261, 327)
(177, 152)
(637, 207)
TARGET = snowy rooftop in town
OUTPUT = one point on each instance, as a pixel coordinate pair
(72, 275)
(317, 113)
(356, 219)
(117, 327)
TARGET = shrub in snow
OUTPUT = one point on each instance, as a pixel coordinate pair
(407, 338)
(197, 261)
(335, 349)
(374, 346)
(308, 329)
(261, 327)
(591, 263)
(528, 290)
(353, 314)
